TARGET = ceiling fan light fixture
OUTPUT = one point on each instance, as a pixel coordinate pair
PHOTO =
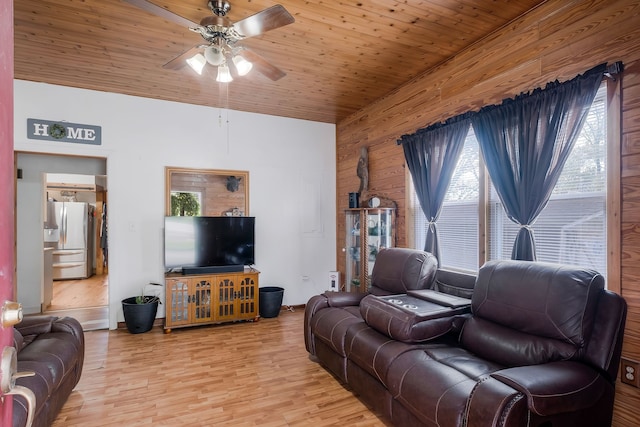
(197, 63)
(221, 35)
(214, 55)
(242, 65)
(224, 76)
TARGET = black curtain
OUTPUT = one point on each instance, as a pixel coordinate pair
(432, 154)
(525, 142)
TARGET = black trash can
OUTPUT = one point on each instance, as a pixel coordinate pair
(139, 318)
(270, 301)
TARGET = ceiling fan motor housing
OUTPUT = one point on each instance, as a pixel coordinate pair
(219, 8)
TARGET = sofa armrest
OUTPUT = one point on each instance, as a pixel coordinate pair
(343, 299)
(315, 303)
(555, 387)
(459, 321)
(35, 325)
(322, 301)
(70, 326)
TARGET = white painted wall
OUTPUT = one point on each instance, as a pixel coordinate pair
(291, 166)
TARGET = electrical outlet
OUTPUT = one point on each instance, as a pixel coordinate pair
(630, 372)
(334, 281)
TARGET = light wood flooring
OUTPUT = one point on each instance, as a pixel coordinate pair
(86, 300)
(80, 293)
(239, 374)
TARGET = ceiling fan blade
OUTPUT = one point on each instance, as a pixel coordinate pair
(181, 60)
(266, 20)
(161, 12)
(262, 65)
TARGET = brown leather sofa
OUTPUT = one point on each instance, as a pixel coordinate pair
(540, 345)
(52, 348)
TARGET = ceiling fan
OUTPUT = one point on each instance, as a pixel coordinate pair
(222, 36)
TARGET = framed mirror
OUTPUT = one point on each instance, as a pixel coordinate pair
(206, 192)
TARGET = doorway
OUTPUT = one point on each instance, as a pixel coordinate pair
(73, 279)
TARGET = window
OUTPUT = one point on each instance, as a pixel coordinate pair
(186, 203)
(572, 228)
(458, 221)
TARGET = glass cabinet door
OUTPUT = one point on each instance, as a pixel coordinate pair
(367, 232)
(201, 301)
(178, 301)
(353, 250)
(379, 234)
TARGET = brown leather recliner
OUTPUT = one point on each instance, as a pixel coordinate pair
(541, 347)
(52, 348)
(329, 315)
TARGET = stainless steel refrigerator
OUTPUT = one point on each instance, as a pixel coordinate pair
(69, 231)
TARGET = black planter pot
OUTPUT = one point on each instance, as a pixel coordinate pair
(139, 318)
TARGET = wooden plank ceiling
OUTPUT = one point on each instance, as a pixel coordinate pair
(339, 56)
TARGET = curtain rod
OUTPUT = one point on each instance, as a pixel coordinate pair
(611, 71)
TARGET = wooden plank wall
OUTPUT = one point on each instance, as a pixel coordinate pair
(558, 40)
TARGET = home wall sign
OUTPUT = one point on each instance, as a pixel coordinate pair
(64, 132)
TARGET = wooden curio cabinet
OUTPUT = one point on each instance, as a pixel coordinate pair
(367, 231)
(210, 298)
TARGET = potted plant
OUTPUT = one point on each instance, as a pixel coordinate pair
(140, 311)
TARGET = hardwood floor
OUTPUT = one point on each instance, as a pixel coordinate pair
(86, 300)
(91, 318)
(240, 374)
(69, 294)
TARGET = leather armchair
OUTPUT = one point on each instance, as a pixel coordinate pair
(329, 315)
(53, 348)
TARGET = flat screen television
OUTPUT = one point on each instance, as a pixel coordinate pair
(208, 244)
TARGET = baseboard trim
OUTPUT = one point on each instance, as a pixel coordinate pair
(160, 320)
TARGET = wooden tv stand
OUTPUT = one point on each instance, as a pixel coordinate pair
(201, 299)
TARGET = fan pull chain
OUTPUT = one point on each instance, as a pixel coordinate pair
(228, 147)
